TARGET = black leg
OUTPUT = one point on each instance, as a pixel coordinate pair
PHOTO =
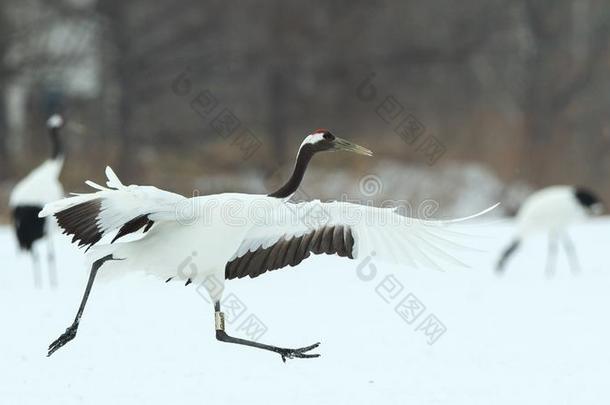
(51, 262)
(36, 269)
(222, 336)
(70, 333)
(510, 250)
(552, 255)
(571, 253)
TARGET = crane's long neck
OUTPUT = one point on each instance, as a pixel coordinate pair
(58, 149)
(303, 157)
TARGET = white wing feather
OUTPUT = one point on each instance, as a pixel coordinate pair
(120, 203)
(381, 232)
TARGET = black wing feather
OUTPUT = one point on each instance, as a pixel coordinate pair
(290, 252)
(80, 221)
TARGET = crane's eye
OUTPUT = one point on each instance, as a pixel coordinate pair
(328, 136)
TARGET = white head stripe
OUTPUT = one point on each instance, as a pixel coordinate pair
(313, 138)
(55, 121)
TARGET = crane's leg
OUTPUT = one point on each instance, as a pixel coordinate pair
(70, 333)
(552, 254)
(221, 335)
(508, 252)
(51, 262)
(36, 269)
(571, 253)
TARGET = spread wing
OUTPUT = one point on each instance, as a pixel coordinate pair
(126, 209)
(295, 231)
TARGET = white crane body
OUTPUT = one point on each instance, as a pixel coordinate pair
(552, 210)
(29, 195)
(234, 235)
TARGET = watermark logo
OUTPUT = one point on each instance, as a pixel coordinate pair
(186, 211)
(237, 212)
(432, 328)
(235, 309)
(370, 185)
(253, 328)
(410, 308)
(223, 121)
(404, 123)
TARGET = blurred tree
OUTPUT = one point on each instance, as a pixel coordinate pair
(5, 32)
(120, 75)
(520, 85)
(556, 77)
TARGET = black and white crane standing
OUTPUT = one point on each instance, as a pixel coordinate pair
(552, 210)
(237, 235)
(28, 197)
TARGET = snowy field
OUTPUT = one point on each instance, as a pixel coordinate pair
(520, 339)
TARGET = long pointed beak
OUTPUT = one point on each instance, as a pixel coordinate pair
(342, 144)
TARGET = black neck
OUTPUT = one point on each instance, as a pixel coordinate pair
(58, 149)
(291, 186)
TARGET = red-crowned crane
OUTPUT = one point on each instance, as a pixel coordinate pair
(242, 235)
(28, 197)
(552, 210)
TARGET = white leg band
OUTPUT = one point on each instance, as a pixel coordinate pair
(219, 317)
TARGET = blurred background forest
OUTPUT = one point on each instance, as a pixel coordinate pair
(467, 102)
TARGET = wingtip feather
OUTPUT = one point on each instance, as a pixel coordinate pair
(113, 179)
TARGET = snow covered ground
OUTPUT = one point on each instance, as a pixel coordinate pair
(518, 339)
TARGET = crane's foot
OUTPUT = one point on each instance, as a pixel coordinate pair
(67, 336)
(221, 335)
(300, 353)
